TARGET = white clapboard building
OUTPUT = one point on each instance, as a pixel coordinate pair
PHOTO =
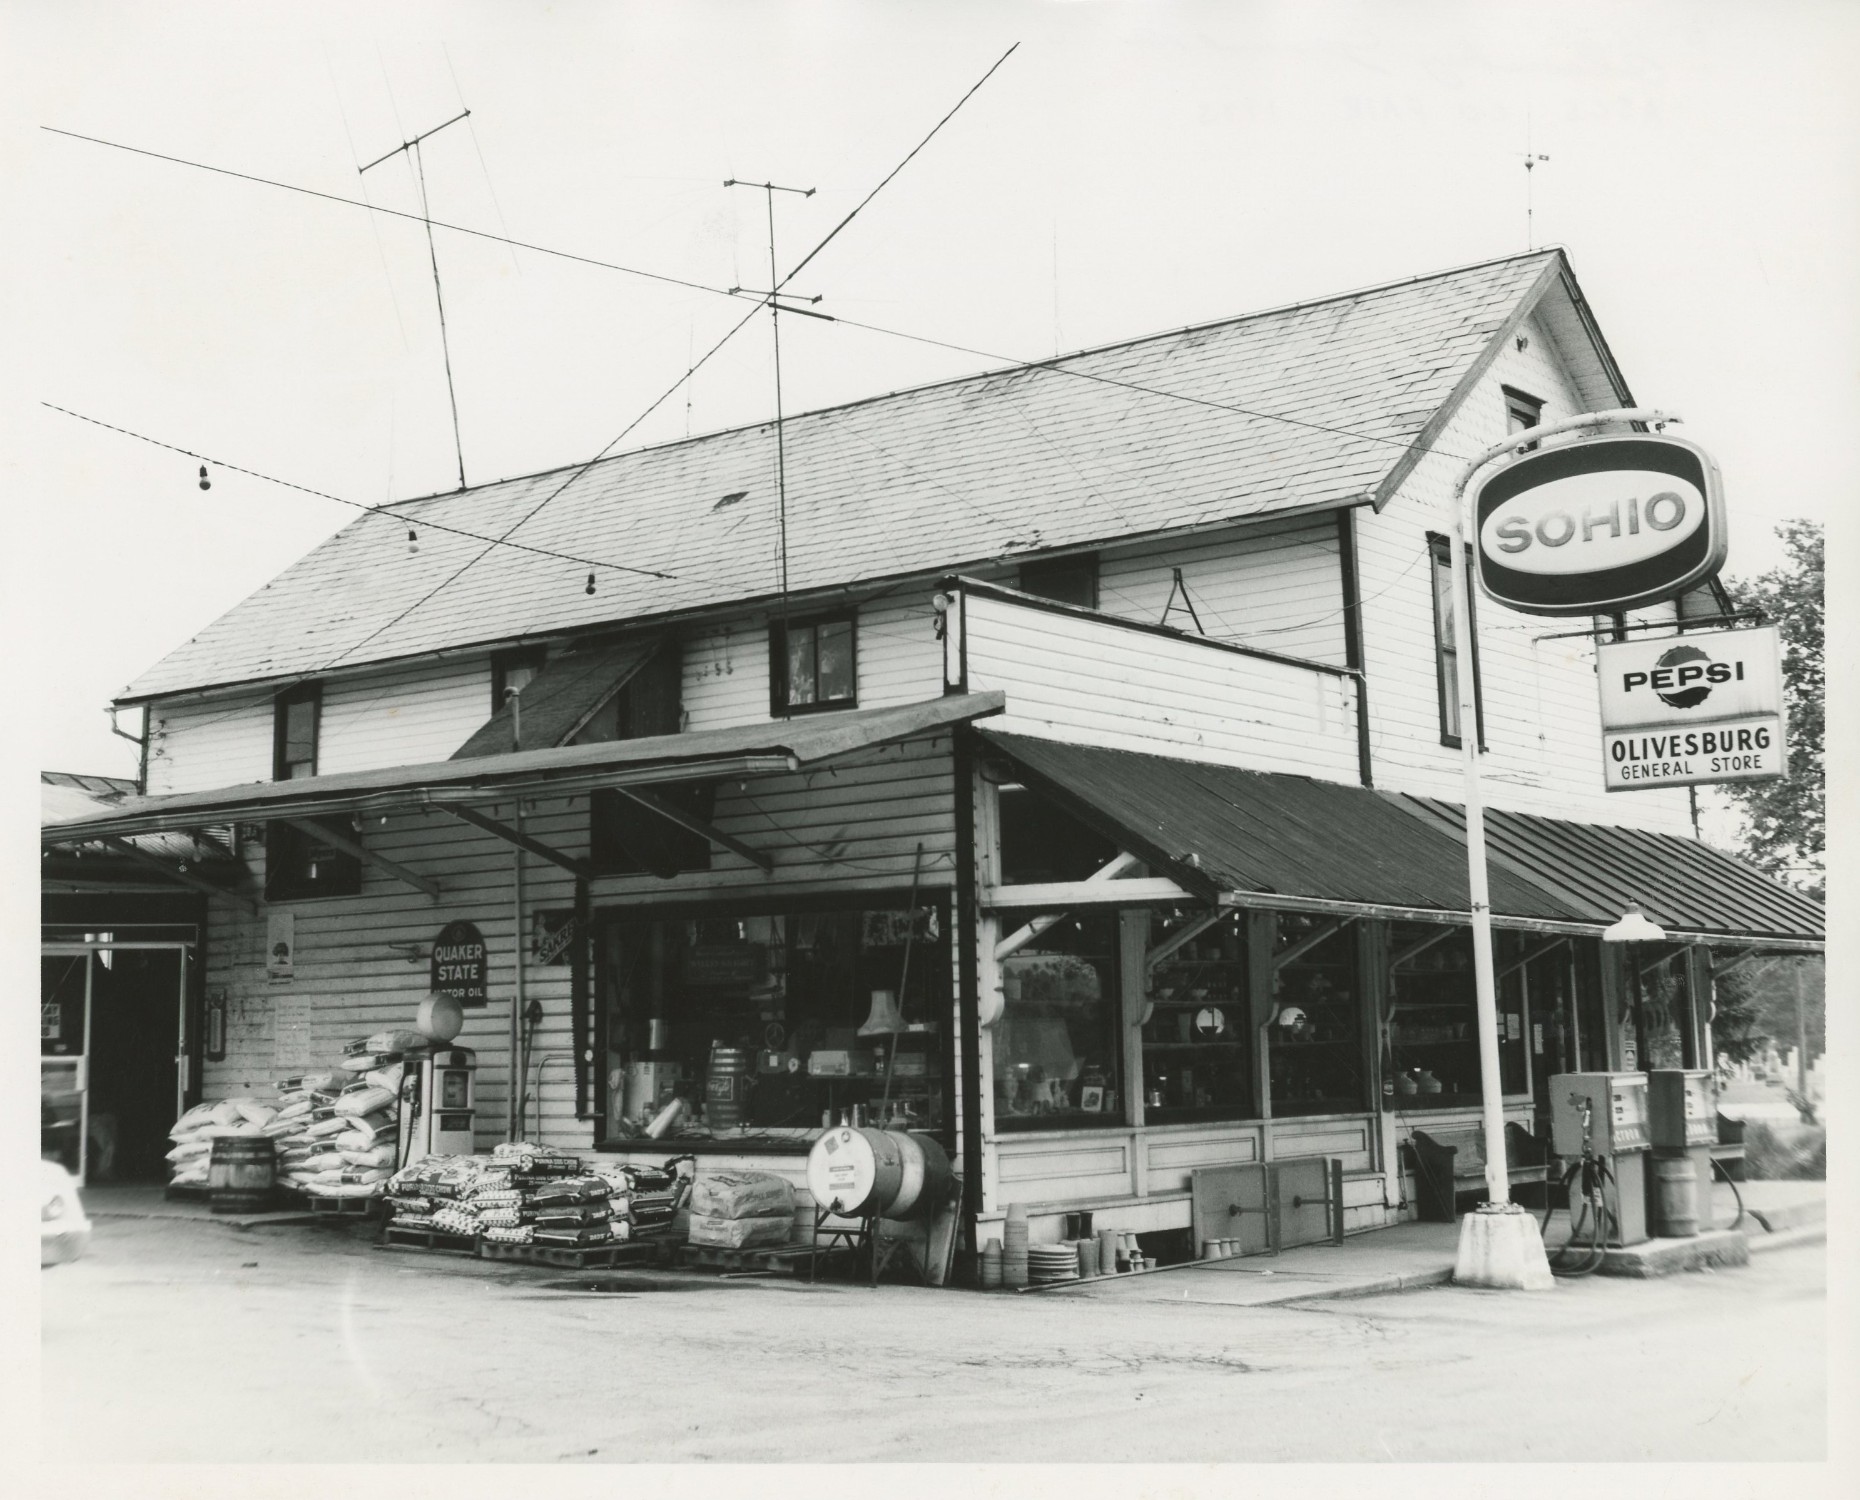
(1134, 665)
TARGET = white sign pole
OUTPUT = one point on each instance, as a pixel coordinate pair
(1511, 1256)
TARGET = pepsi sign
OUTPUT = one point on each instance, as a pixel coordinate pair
(1601, 526)
(1693, 709)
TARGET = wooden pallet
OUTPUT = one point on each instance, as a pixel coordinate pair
(770, 1258)
(428, 1239)
(342, 1208)
(576, 1257)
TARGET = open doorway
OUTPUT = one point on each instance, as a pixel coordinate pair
(110, 1040)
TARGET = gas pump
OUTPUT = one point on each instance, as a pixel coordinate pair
(437, 1103)
(438, 1087)
(1598, 1121)
(1682, 1125)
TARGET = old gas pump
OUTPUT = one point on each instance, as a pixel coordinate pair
(1602, 1118)
(438, 1110)
(1682, 1125)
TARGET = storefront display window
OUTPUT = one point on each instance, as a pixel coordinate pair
(1665, 1009)
(1315, 1033)
(776, 1022)
(1197, 1046)
(1056, 1045)
(1433, 1018)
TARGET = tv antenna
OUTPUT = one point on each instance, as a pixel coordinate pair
(1531, 159)
(777, 301)
(412, 148)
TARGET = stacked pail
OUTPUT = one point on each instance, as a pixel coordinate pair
(1014, 1247)
(726, 1086)
(1107, 1252)
(991, 1266)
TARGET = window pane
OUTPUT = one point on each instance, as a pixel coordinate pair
(1444, 646)
(1316, 1034)
(835, 661)
(1197, 1047)
(1434, 1019)
(1056, 1045)
(801, 664)
(300, 738)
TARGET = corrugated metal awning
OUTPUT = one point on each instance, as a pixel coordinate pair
(744, 750)
(1685, 886)
(1262, 838)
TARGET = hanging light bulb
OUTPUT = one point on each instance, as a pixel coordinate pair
(590, 588)
(413, 540)
(205, 483)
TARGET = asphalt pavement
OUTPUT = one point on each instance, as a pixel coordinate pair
(191, 1340)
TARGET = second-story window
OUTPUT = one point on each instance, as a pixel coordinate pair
(813, 664)
(297, 863)
(1446, 647)
(1522, 412)
(1067, 580)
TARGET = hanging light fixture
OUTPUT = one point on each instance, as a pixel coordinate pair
(205, 483)
(1634, 928)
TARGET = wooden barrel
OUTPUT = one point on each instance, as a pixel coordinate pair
(1675, 1212)
(241, 1173)
(726, 1087)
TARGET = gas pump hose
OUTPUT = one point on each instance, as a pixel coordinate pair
(1595, 1177)
(1719, 1168)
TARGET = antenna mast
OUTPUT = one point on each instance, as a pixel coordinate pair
(412, 148)
(1530, 167)
(773, 300)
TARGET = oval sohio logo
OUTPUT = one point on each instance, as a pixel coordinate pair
(1599, 526)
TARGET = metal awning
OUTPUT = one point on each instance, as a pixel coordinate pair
(748, 749)
(1256, 838)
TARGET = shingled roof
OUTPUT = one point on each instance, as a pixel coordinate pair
(1017, 461)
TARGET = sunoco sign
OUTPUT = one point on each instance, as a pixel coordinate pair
(1600, 526)
(1681, 711)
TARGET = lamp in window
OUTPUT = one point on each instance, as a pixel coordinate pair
(885, 1019)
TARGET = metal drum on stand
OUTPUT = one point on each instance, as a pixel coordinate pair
(862, 1173)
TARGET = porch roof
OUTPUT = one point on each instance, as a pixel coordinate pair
(1261, 838)
(741, 750)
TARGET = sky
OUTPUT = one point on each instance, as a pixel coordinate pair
(1129, 168)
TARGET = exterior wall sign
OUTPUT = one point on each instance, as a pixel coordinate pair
(461, 964)
(280, 946)
(1596, 527)
(1687, 710)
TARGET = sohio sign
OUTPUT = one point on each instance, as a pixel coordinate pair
(1600, 526)
(1686, 710)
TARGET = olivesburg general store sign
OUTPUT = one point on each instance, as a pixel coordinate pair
(1705, 707)
(1600, 526)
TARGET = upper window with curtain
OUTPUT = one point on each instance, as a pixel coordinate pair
(813, 664)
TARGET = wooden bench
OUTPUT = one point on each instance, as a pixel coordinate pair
(1449, 1163)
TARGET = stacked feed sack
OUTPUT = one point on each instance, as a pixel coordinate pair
(350, 1145)
(741, 1210)
(557, 1201)
(191, 1156)
(438, 1193)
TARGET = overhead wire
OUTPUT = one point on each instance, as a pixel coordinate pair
(420, 521)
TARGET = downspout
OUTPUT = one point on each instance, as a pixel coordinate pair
(1353, 653)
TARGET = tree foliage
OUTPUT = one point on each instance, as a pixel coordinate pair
(1785, 833)
(1754, 1007)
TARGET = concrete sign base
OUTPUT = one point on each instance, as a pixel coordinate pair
(1500, 1247)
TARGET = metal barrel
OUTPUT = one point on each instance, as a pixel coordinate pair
(241, 1174)
(726, 1087)
(1675, 1203)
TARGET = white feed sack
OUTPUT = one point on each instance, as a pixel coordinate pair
(741, 1195)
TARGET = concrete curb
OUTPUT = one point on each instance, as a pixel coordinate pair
(1785, 1216)
(1406, 1282)
(1789, 1239)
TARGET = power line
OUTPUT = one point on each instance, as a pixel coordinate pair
(588, 260)
(372, 510)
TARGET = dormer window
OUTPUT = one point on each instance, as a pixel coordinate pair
(1522, 412)
(513, 671)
